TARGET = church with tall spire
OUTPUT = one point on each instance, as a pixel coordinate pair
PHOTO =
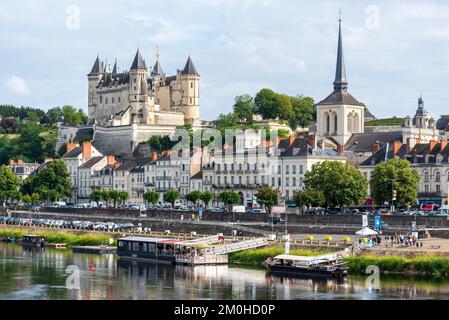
(340, 115)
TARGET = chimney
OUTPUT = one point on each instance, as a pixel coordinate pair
(396, 146)
(375, 148)
(71, 146)
(432, 145)
(443, 144)
(87, 150)
(341, 149)
(409, 145)
(153, 156)
(20, 163)
(311, 138)
(11, 163)
(111, 160)
(292, 139)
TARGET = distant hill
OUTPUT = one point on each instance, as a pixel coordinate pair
(385, 122)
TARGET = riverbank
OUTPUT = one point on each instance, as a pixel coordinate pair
(423, 266)
(71, 239)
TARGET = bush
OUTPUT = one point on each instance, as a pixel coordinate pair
(257, 256)
(59, 237)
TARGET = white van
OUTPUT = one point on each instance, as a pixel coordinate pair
(58, 204)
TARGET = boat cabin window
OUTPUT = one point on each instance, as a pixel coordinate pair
(120, 243)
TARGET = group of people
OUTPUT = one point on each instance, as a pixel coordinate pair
(405, 239)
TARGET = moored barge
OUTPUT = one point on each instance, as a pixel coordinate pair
(33, 241)
(169, 251)
(325, 266)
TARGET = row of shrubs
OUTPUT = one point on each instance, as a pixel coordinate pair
(258, 256)
(428, 266)
(59, 237)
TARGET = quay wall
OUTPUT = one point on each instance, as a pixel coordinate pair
(355, 220)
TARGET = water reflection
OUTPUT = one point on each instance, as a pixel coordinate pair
(31, 273)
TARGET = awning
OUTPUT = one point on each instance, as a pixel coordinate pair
(366, 232)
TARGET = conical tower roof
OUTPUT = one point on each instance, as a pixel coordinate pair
(139, 62)
(340, 83)
(96, 69)
(189, 69)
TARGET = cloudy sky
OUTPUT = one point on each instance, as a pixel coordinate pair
(394, 50)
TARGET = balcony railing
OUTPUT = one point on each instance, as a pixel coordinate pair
(164, 178)
(439, 194)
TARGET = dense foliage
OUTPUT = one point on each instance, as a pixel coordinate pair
(267, 197)
(395, 174)
(51, 182)
(341, 183)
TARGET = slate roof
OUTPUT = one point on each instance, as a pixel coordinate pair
(75, 152)
(110, 80)
(189, 69)
(363, 142)
(90, 163)
(379, 156)
(197, 176)
(97, 67)
(139, 62)
(341, 97)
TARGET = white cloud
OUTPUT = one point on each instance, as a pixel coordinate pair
(18, 86)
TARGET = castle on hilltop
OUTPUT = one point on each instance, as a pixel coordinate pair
(140, 96)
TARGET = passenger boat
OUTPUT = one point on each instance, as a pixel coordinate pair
(33, 241)
(171, 251)
(324, 266)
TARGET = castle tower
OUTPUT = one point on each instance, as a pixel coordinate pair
(190, 80)
(138, 86)
(94, 78)
(340, 115)
(157, 75)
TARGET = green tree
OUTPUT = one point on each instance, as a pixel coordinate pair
(96, 196)
(114, 195)
(266, 104)
(284, 107)
(171, 196)
(55, 114)
(310, 198)
(395, 174)
(27, 199)
(303, 112)
(31, 143)
(341, 183)
(52, 182)
(226, 120)
(244, 108)
(267, 197)
(35, 198)
(161, 143)
(152, 197)
(206, 197)
(123, 196)
(105, 195)
(193, 197)
(9, 183)
(229, 198)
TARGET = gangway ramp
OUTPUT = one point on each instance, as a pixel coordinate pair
(204, 240)
(239, 246)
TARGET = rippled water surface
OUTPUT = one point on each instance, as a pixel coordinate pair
(36, 274)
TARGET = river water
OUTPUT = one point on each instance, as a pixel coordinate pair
(42, 274)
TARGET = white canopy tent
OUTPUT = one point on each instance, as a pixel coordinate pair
(366, 232)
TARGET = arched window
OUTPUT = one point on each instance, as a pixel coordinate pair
(356, 123)
(426, 176)
(447, 174)
(438, 176)
(328, 123)
(350, 119)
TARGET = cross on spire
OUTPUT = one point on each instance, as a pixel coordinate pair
(340, 14)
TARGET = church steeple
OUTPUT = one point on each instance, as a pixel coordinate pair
(157, 69)
(340, 83)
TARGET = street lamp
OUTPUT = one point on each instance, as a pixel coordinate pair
(393, 193)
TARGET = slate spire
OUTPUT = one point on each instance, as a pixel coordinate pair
(189, 69)
(340, 83)
(96, 69)
(138, 62)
